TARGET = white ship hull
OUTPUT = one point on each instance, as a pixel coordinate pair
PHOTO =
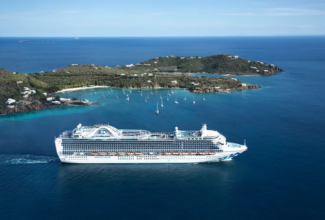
(151, 159)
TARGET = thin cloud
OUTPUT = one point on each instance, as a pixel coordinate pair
(241, 14)
(280, 12)
(70, 12)
(294, 12)
(153, 14)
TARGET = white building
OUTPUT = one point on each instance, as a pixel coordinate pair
(135, 74)
(56, 102)
(147, 64)
(150, 74)
(272, 65)
(49, 98)
(18, 82)
(236, 57)
(243, 84)
(195, 84)
(26, 88)
(45, 94)
(10, 101)
(155, 62)
(149, 81)
(65, 99)
(129, 65)
(174, 82)
(74, 64)
(234, 79)
(265, 71)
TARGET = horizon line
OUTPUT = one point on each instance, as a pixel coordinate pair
(162, 36)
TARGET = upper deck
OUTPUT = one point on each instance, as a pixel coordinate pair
(107, 132)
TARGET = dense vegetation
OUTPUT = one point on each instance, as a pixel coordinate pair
(217, 64)
(142, 75)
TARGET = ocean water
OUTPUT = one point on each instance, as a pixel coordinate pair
(280, 176)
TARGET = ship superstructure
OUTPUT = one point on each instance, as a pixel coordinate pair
(106, 144)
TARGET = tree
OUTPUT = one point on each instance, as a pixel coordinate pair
(57, 98)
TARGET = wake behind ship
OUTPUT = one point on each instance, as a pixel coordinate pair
(106, 144)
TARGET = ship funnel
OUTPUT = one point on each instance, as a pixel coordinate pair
(79, 126)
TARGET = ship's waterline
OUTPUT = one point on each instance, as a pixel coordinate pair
(106, 144)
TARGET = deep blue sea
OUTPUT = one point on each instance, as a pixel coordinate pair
(280, 176)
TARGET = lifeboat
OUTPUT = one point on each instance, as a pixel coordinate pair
(161, 153)
(94, 153)
(112, 153)
(211, 152)
(121, 153)
(193, 153)
(175, 153)
(103, 153)
(184, 153)
(168, 153)
(202, 153)
(138, 153)
(129, 153)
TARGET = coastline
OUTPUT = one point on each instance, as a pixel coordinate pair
(81, 88)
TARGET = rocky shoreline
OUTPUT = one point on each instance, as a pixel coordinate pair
(38, 106)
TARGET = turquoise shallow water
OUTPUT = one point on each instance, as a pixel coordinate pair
(280, 176)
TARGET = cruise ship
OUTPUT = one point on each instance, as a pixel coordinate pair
(107, 144)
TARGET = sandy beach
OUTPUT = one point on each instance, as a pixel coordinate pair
(81, 88)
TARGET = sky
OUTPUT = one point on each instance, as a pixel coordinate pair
(136, 18)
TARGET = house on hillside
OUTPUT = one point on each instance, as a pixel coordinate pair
(10, 101)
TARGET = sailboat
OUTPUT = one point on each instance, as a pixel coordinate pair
(151, 92)
(167, 97)
(157, 111)
(203, 97)
(160, 97)
(116, 96)
(145, 99)
(127, 98)
(193, 100)
(141, 92)
(162, 104)
(184, 98)
(176, 100)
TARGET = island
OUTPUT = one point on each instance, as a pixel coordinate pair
(34, 91)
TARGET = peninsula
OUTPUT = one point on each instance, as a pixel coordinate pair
(27, 92)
